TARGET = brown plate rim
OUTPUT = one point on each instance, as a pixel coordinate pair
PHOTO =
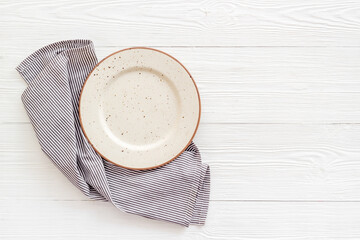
(196, 128)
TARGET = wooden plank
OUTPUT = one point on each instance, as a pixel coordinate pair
(248, 162)
(32, 219)
(179, 23)
(269, 70)
(255, 85)
(241, 107)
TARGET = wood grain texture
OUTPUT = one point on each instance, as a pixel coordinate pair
(227, 220)
(179, 23)
(280, 88)
(284, 162)
(249, 69)
(251, 85)
(239, 107)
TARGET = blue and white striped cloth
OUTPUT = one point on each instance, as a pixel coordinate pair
(177, 192)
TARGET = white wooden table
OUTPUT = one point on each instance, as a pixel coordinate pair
(280, 87)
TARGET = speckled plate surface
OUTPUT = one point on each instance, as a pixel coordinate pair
(139, 108)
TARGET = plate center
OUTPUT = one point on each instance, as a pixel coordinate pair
(140, 108)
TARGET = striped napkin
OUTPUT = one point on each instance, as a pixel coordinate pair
(177, 192)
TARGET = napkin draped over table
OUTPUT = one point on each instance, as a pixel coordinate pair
(177, 192)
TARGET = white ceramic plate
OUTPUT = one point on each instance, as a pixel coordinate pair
(139, 108)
